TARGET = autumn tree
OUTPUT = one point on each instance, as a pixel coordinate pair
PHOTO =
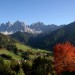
(64, 57)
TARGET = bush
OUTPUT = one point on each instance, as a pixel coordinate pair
(26, 68)
(5, 68)
(64, 57)
(15, 66)
(25, 55)
(41, 66)
(12, 47)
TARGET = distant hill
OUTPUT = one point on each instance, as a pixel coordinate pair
(22, 36)
(66, 33)
(5, 38)
(6, 42)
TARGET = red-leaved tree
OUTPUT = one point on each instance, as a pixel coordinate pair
(64, 57)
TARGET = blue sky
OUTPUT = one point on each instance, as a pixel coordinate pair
(30, 11)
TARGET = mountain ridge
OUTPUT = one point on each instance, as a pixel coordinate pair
(35, 28)
(64, 34)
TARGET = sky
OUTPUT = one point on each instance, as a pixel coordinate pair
(30, 11)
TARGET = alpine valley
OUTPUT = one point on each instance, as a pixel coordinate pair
(39, 35)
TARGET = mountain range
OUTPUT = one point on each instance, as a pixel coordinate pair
(64, 34)
(47, 37)
(35, 28)
(48, 40)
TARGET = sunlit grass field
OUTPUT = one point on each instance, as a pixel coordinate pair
(25, 48)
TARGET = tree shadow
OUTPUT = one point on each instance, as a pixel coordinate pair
(68, 73)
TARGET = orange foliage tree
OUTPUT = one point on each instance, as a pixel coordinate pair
(64, 57)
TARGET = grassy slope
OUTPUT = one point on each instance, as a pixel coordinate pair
(34, 51)
(24, 48)
(14, 56)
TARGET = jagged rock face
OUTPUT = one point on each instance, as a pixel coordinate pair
(39, 26)
(9, 28)
(34, 28)
(17, 26)
(4, 27)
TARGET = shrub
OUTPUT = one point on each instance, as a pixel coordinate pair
(5, 68)
(64, 57)
(41, 66)
(26, 68)
(15, 66)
